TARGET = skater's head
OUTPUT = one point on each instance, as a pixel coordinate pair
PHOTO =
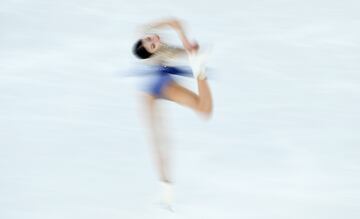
(147, 46)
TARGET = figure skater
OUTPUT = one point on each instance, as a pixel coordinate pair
(159, 55)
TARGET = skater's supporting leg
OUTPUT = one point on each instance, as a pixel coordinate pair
(160, 149)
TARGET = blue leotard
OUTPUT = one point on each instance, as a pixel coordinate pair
(163, 77)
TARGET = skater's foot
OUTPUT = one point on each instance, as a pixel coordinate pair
(168, 193)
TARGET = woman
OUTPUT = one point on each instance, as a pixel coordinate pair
(157, 53)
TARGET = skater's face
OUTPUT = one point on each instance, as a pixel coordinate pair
(151, 43)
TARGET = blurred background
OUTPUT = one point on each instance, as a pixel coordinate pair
(284, 141)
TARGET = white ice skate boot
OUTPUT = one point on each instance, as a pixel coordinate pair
(197, 63)
(167, 195)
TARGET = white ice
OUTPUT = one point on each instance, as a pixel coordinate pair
(284, 140)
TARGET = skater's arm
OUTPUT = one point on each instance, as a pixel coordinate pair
(179, 29)
(161, 24)
(190, 47)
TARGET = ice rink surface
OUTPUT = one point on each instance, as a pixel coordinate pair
(284, 140)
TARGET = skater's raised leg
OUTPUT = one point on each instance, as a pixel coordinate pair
(201, 103)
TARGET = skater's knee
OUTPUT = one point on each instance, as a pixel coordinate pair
(205, 111)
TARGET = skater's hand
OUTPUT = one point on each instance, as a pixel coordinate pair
(194, 47)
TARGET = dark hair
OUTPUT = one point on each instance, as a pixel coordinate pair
(140, 51)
